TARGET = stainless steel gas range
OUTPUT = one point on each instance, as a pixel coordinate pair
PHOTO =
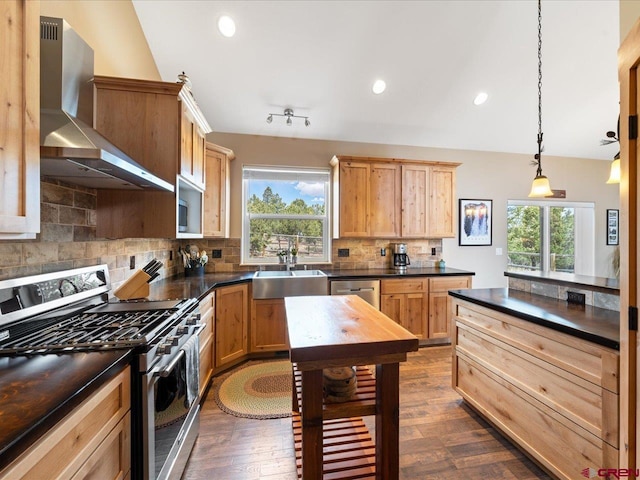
(69, 311)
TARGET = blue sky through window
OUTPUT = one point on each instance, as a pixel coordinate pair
(311, 192)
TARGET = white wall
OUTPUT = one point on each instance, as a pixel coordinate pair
(486, 175)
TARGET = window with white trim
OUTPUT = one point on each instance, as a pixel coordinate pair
(285, 213)
(550, 236)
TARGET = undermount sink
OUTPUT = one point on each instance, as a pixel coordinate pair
(293, 283)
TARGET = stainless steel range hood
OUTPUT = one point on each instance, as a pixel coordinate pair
(70, 149)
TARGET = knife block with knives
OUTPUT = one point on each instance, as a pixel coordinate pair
(137, 286)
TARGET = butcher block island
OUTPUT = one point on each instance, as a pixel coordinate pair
(331, 439)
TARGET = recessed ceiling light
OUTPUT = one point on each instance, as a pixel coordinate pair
(227, 26)
(379, 86)
(480, 98)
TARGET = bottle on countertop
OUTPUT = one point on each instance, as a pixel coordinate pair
(441, 264)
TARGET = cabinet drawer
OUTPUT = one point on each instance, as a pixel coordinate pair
(444, 284)
(405, 285)
(594, 363)
(561, 445)
(63, 451)
(579, 400)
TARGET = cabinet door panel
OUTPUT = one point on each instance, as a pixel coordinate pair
(439, 315)
(20, 120)
(268, 325)
(415, 201)
(441, 221)
(231, 323)
(216, 195)
(393, 306)
(354, 199)
(383, 194)
(416, 314)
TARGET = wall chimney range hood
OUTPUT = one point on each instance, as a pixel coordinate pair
(70, 149)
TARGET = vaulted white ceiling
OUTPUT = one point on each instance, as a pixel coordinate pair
(320, 58)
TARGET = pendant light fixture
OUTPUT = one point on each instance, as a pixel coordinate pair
(540, 186)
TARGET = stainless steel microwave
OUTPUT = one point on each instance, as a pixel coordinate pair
(183, 216)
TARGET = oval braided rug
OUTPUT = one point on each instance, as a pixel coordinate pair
(256, 390)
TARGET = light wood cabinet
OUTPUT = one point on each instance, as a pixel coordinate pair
(365, 189)
(393, 198)
(555, 395)
(216, 196)
(92, 442)
(232, 323)
(440, 312)
(20, 119)
(161, 127)
(206, 341)
(405, 301)
(268, 325)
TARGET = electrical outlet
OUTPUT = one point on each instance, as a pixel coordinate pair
(575, 297)
(216, 253)
(132, 262)
(343, 252)
(433, 251)
(383, 252)
(170, 255)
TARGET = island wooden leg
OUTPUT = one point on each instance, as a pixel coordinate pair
(312, 442)
(387, 421)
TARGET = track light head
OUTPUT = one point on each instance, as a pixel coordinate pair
(288, 113)
(270, 118)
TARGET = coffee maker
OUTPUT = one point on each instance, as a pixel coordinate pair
(400, 257)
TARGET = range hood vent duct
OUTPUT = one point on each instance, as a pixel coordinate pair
(70, 149)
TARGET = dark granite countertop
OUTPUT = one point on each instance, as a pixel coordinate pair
(37, 391)
(589, 323)
(180, 286)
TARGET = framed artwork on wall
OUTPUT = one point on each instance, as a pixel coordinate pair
(475, 219)
(613, 227)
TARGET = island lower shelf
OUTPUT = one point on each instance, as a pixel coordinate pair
(555, 395)
(348, 449)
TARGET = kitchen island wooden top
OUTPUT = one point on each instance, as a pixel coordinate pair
(336, 327)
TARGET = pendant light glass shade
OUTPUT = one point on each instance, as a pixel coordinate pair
(614, 174)
(540, 187)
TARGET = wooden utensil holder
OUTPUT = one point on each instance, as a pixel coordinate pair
(135, 287)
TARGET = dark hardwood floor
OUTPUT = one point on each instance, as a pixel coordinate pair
(440, 437)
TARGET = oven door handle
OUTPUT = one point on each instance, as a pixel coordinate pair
(166, 371)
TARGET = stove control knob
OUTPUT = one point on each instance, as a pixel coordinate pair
(175, 341)
(183, 330)
(164, 348)
(193, 319)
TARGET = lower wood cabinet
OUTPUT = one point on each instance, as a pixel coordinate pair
(268, 325)
(206, 340)
(555, 395)
(440, 305)
(92, 442)
(405, 301)
(231, 323)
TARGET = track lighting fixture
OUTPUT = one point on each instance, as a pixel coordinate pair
(288, 113)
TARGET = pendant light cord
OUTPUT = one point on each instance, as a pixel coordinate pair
(539, 155)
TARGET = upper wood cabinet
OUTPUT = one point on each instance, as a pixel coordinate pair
(216, 196)
(161, 127)
(20, 119)
(393, 198)
(365, 189)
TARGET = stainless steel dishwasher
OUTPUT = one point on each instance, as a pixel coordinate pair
(368, 290)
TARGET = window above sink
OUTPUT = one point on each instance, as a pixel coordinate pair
(286, 215)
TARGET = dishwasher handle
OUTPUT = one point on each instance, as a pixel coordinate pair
(351, 290)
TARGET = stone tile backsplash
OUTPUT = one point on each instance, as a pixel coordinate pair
(597, 299)
(67, 239)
